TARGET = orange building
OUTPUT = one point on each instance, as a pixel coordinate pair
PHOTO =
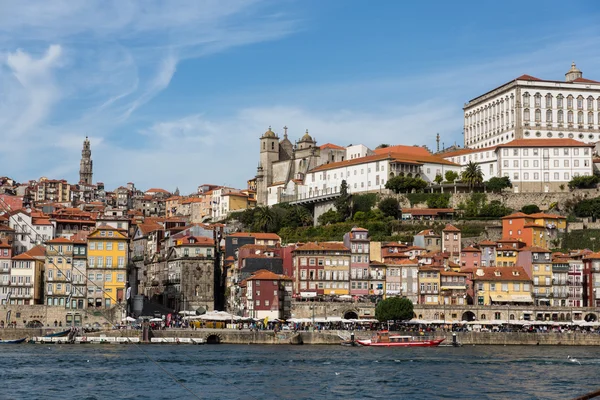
(534, 230)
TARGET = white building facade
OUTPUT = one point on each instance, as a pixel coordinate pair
(528, 107)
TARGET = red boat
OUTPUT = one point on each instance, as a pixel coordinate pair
(384, 339)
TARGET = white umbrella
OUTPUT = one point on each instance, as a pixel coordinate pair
(156, 320)
(129, 319)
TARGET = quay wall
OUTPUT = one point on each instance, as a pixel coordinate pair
(245, 337)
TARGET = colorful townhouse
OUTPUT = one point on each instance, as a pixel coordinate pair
(58, 272)
(591, 282)
(268, 296)
(537, 262)
(488, 253)
(501, 286)
(538, 229)
(453, 287)
(357, 240)
(107, 265)
(560, 286)
(309, 262)
(25, 278)
(451, 242)
(507, 251)
(429, 285)
(428, 240)
(470, 257)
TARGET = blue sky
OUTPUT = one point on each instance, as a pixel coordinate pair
(177, 93)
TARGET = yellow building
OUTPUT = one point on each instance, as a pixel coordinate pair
(507, 251)
(107, 266)
(550, 221)
(501, 285)
(58, 272)
(429, 285)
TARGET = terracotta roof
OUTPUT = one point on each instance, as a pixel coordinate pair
(6, 228)
(4, 244)
(545, 143)
(157, 190)
(359, 229)
(41, 221)
(471, 249)
(535, 249)
(37, 251)
(392, 244)
(505, 274)
(452, 273)
(545, 215)
(533, 225)
(584, 80)
(403, 149)
(147, 227)
(594, 256)
(257, 235)
(60, 240)
(264, 275)
(405, 261)
(451, 228)
(323, 246)
(487, 243)
(376, 263)
(331, 146)
(23, 256)
(516, 215)
(526, 77)
(198, 241)
(427, 232)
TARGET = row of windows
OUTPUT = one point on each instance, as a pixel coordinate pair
(516, 287)
(562, 135)
(560, 116)
(537, 99)
(16, 279)
(536, 163)
(109, 245)
(105, 278)
(536, 176)
(556, 151)
(98, 262)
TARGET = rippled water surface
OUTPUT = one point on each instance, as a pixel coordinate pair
(295, 372)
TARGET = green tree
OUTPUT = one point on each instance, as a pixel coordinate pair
(588, 208)
(530, 209)
(390, 207)
(474, 204)
(382, 146)
(451, 176)
(363, 202)
(583, 182)
(265, 220)
(438, 179)
(495, 209)
(472, 175)
(394, 309)
(405, 184)
(438, 200)
(329, 217)
(497, 184)
(342, 203)
(297, 216)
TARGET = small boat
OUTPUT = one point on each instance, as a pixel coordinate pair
(350, 343)
(16, 341)
(384, 339)
(58, 334)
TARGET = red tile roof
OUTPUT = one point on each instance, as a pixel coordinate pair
(487, 243)
(403, 149)
(471, 249)
(264, 275)
(323, 246)
(505, 274)
(516, 215)
(331, 146)
(257, 235)
(451, 228)
(535, 249)
(60, 240)
(526, 77)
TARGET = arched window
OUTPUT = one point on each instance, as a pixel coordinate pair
(264, 145)
(548, 100)
(548, 115)
(272, 145)
(560, 116)
(482, 317)
(590, 103)
(598, 103)
(570, 117)
(590, 120)
(526, 114)
(538, 115)
(569, 101)
(538, 100)
(559, 101)
(580, 102)
(525, 99)
(580, 117)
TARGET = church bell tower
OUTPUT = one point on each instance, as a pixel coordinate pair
(85, 166)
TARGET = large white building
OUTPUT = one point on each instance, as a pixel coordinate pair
(532, 108)
(532, 165)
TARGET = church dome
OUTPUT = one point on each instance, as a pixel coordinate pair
(306, 137)
(269, 133)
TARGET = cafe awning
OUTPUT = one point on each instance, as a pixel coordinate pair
(514, 298)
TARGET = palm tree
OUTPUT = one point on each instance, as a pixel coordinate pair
(472, 175)
(264, 219)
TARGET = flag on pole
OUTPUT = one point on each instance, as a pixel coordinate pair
(128, 293)
(8, 317)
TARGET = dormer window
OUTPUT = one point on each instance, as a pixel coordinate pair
(497, 273)
(515, 273)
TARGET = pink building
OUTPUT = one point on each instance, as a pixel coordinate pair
(470, 257)
(451, 242)
(357, 240)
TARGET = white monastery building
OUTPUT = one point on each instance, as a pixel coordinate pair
(532, 108)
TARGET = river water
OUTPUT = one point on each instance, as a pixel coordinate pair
(95, 372)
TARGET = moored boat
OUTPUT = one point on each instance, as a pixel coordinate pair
(16, 341)
(384, 339)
